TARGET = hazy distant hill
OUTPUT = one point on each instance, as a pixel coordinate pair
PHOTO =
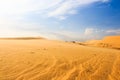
(22, 38)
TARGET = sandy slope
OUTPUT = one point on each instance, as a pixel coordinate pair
(107, 42)
(55, 60)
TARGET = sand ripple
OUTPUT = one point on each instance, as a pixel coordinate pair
(54, 60)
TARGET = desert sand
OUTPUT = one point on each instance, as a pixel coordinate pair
(42, 59)
(106, 42)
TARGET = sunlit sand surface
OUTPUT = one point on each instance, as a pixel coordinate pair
(107, 42)
(42, 59)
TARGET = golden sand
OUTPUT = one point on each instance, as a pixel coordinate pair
(107, 42)
(56, 60)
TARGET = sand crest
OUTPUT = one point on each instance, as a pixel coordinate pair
(107, 42)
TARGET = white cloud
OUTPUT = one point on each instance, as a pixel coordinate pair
(89, 31)
(114, 31)
(52, 8)
(92, 33)
(70, 7)
(24, 6)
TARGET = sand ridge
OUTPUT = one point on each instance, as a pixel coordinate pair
(22, 38)
(106, 42)
(56, 60)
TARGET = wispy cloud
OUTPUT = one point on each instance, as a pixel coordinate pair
(68, 7)
(114, 31)
(92, 33)
(24, 6)
(89, 31)
(52, 8)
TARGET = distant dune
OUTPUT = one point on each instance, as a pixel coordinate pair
(22, 38)
(107, 42)
(56, 60)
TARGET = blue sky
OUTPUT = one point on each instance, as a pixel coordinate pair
(60, 19)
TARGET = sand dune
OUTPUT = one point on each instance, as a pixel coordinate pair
(107, 42)
(56, 60)
(22, 38)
